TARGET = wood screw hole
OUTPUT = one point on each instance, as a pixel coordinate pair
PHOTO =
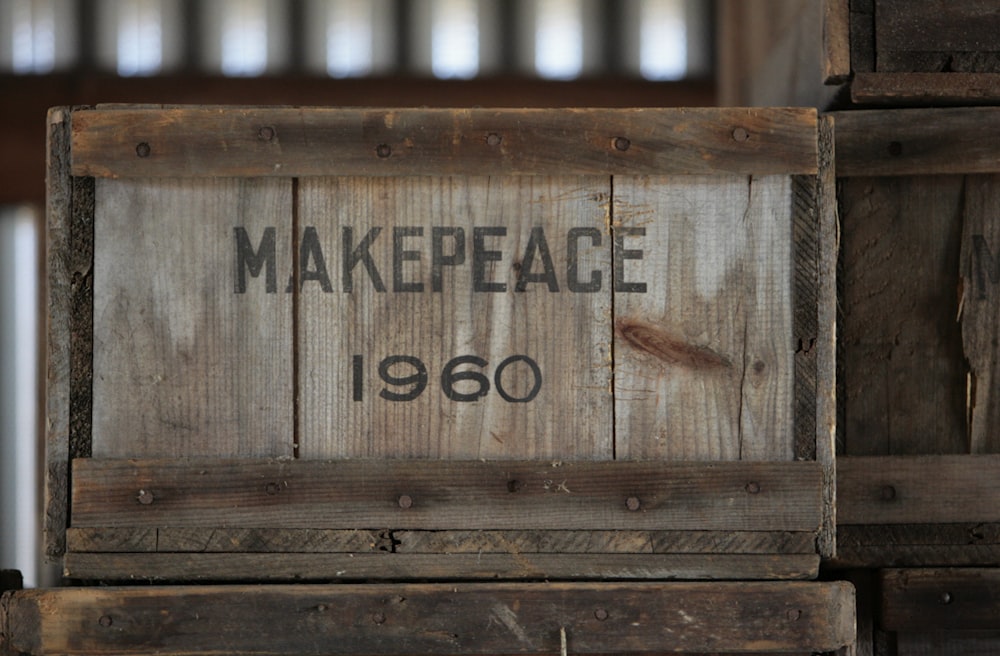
(143, 149)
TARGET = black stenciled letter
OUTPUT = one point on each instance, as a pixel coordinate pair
(310, 249)
(400, 255)
(985, 264)
(480, 256)
(536, 244)
(572, 262)
(360, 254)
(247, 259)
(622, 254)
(438, 259)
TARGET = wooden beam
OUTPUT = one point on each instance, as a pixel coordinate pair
(895, 89)
(917, 545)
(593, 618)
(917, 142)
(940, 599)
(918, 489)
(296, 567)
(251, 142)
(353, 494)
(836, 41)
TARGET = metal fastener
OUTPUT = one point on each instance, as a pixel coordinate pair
(793, 614)
(266, 133)
(633, 503)
(945, 598)
(888, 493)
(272, 488)
(105, 620)
(622, 144)
(383, 150)
(753, 487)
(601, 614)
(142, 150)
(895, 148)
(405, 501)
(145, 497)
(493, 139)
(740, 134)
(378, 618)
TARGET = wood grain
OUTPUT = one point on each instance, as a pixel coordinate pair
(64, 264)
(704, 357)
(836, 41)
(904, 370)
(916, 141)
(918, 489)
(205, 141)
(928, 89)
(354, 567)
(443, 619)
(181, 360)
(443, 494)
(980, 311)
(940, 599)
(565, 331)
(914, 26)
(948, 643)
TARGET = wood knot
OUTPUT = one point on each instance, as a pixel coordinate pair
(662, 345)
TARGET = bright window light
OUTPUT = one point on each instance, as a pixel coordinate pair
(34, 38)
(244, 38)
(558, 39)
(455, 39)
(663, 40)
(349, 38)
(140, 37)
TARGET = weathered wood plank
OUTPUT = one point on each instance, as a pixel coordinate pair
(704, 355)
(904, 370)
(756, 496)
(980, 308)
(918, 489)
(498, 270)
(66, 266)
(948, 643)
(917, 545)
(277, 567)
(940, 599)
(917, 141)
(279, 540)
(596, 618)
(180, 356)
(929, 26)
(374, 142)
(895, 89)
(836, 41)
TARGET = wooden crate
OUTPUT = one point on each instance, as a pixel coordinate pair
(899, 52)
(389, 344)
(919, 194)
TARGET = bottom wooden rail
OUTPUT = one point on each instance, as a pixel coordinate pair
(575, 618)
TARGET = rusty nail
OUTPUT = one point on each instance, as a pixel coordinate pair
(145, 497)
(493, 139)
(383, 150)
(142, 150)
(266, 133)
(405, 501)
(601, 614)
(272, 488)
(753, 487)
(633, 503)
(622, 144)
(895, 148)
(105, 620)
(793, 614)
(945, 598)
(888, 493)
(740, 134)
(378, 618)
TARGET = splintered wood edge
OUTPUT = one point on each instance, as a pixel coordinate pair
(399, 620)
(249, 142)
(918, 489)
(467, 495)
(917, 141)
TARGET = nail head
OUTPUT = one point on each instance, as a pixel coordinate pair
(740, 134)
(888, 493)
(383, 150)
(105, 620)
(633, 503)
(601, 614)
(493, 139)
(622, 144)
(145, 497)
(753, 487)
(143, 149)
(266, 133)
(945, 598)
(272, 488)
(378, 618)
(405, 501)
